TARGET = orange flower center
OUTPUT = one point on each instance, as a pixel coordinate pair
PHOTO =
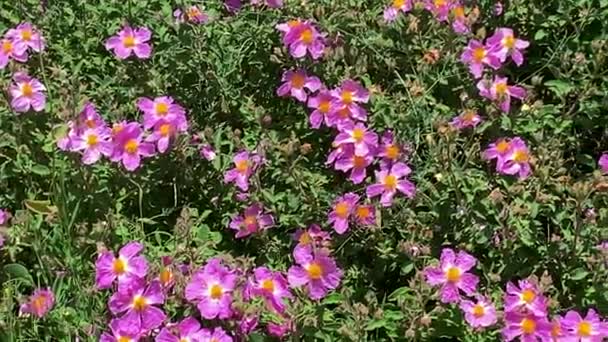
(439, 3)
(528, 326)
(390, 183)
(453, 274)
(392, 151)
(90, 123)
(458, 12)
(38, 302)
(478, 311)
(397, 4)
(342, 209)
(315, 271)
(26, 35)
(27, 90)
(509, 41)
(503, 146)
(165, 276)
(128, 41)
(521, 156)
(297, 81)
(242, 166)
(305, 239)
(118, 266)
(324, 107)
(250, 221)
(268, 285)
(161, 109)
(117, 128)
(306, 36)
(359, 162)
(479, 53)
(363, 212)
(585, 329)
(469, 116)
(131, 146)
(124, 339)
(139, 303)
(501, 89)
(293, 23)
(556, 330)
(92, 140)
(165, 129)
(216, 291)
(7, 46)
(193, 12)
(358, 134)
(528, 296)
(347, 97)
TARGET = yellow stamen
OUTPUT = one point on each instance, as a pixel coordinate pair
(324, 107)
(7, 47)
(305, 238)
(503, 146)
(528, 326)
(307, 36)
(585, 329)
(440, 3)
(358, 134)
(165, 130)
(38, 302)
(458, 12)
(509, 41)
(363, 212)
(161, 109)
(242, 166)
(479, 53)
(479, 311)
(268, 285)
(390, 183)
(315, 271)
(139, 303)
(27, 90)
(397, 4)
(469, 116)
(297, 81)
(501, 88)
(250, 221)
(347, 97)
(216, 291)
(342, 209)
(117, 128)
(92, 140)
(392, 152)
(521, 156)
(128, 41)
(193, 12)
(165, 276)
(359, 162)
(131, 146)
(124, 339)
(26, 35)
(90, 123)
(453, 274)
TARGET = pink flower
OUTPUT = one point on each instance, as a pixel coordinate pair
(322, 105)
(192, 14)
(342, 210)
(480, 313)
(164, 132)
(295, 83)
(390, 151)
(272, 286)
(247, 324)
(281, 329)
(304, 38)
(122, 330)
(365, 215)
(211, 289)
(288, 27)
(5, 215)
(391, 12)
(499, 91)
(130, 147)
(439, 8)
(27, 92)
(129, 40)
(312, 238)
(28, 35)
(603, 163)
(94, 143)
(557, 330)
(498, 150)
(468, 118)
(588, 329)
(346, 102)
(233, 5)
(89, 118)
(476, 55)
(529, 328)
(526, 298)
(356, 164)
(517, 161)
(138, 301)
(11, 49)
(245, 163)
(452, 275)
(189, 329)
(365, 141)
(162, 109)
(39, 303)
(252, 221)
(217, 335)
(318, 272)
(505, 43)
(460, 23)
(208, 152)
(127, 267)
(389, 182)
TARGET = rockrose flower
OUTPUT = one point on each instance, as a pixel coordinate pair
(396, 6)
(131, 41)
(245, 163)
(476, 56)
(126, 268)
(591, 328)
(468, 118)
(500, 92)
(452, 275)
(122, 330)
(389, 182)
(252, 221)
(139, 301)
(343, 208)
(527, 327)
(505, 43)
(304, 38)
(9, 49)
(211, 289)
(319, 272)
(28, 35)
(603, 163)
(296, 83)
(525, 298)
(189, 329)
(272, 286)
(27, 93)
(39, 303)
(480, 313)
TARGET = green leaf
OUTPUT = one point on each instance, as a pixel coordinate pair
(18, 271)
(40, 207)
(579, 274)
(559, 87)
(41, 170)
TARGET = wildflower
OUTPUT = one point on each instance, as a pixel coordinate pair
(233, 5)
(318, 272)
(163, 132)
(527, 327)
(130, 147)
(460, 23)
(439, 8)
(347, 98)
(313, 237)
(138, 301)
(247, 324)
(504, 42)
(322, 105)
(557, 330)
(525, 298)
(245, 164)
(342, 210)
(11, 49)
(603, 163)
(39, 303)
(208, 152)
(338, 152)
(356, 164)
(252, 221)
(166, 277)
(127, 267)
(189, 329)
(4, 217)
(161, 109)
(389, 150)
(304, 38)
(391, 12)
(192, 14)
(94, 143)
(211, 288)
(295, 83)
(591, 328)
(389, 181)
(479, 314)
(280, 329)
(272, 286)
(217, 335)
(468, 118)
(499, 91)
(88, 118)
(27, 35)
(498, 150)
(288, 27)
(476, 55)
(452, 275)
(365, 141)
(122, 330)
(365, 215)
(27, 92)
(129, 40)
(517, 161)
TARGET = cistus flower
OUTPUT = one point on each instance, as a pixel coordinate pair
(295, 84)
(126, 268)
(233, 6)
(517, 161)
(365, 215)
(342, 210)
(122, 330)
(588, 329)
(460, 22)
(500, 92)
(322, 105)
(347, 99)
(272, 286)
(208, 152)
(498, 150)
(452, 275)
(389, 182)
(280, 329)
(247, 324)
(390, 151)
(557, 331)
(476, 56)
(192, 14)
(480, 313)
(88, 118)
(364, 140)
(138, 301)
(525, 298)
(211, 289)
(603, 163)
(319, 272)
(244, 165)
(130, 41)
(11, 49)
(527, 327)
(217, 335)
(27, 93)
(4, 217)
(28, 35)
(94, 143)
(396, 6)
(251, 221)
(504, 42)
(439, 8)
(163, 133)
(161, 109)
(39, 303)
(303, 38)
(312, 238)
(189, 329)
(468, 118)
(357, 165)
(129, 147)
